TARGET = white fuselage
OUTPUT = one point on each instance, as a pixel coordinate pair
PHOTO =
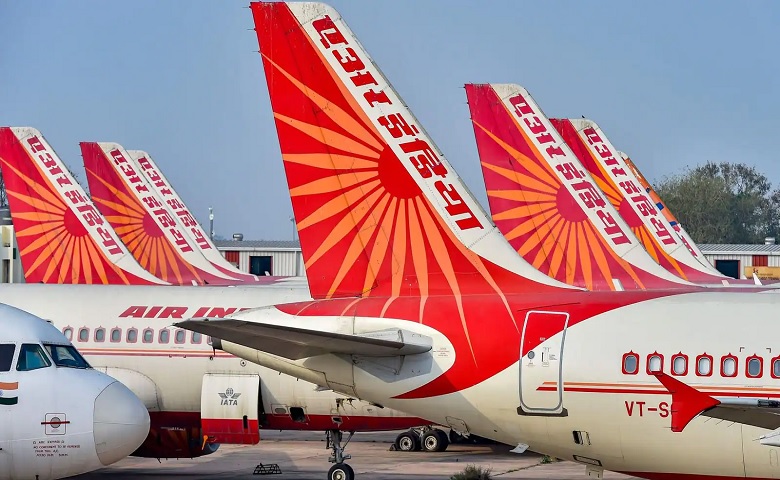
(623, 418)
(168, 377)
(58, 419)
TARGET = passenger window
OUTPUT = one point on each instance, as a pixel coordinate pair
(148, 335)
(728, 366)
(754, 367)
(630, 363)
(165, 335)
(680, 364)
(31, 357)
(704, 365)
(181, 335)
(116, 334)
(196, 337)
(132, 335)
(655, 363)
(100, 334)
(68, 332)
(83, 334)
(208, 339)
(776, 367)
(6, 356)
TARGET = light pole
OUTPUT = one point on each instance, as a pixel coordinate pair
(211, 224)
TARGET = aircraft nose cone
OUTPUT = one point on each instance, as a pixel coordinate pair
(121, 423)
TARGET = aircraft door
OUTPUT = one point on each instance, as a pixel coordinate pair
(541, 363)
(229, 408)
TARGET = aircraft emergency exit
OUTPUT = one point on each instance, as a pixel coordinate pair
(58, 416)
(421, 304)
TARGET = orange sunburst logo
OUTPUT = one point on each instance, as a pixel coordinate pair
(533, 208)
(620, 198)
(135, 227)
(54, 244)
(365, 225)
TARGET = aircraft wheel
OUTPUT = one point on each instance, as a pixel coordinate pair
(341, 471)
(435, 441)
(407, 442)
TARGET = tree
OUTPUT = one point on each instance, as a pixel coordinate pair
(723, 203)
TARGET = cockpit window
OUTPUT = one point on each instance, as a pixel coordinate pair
(6, 356)
(66, 356)
(31, 357)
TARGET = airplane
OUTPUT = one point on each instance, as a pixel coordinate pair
(62, 237)
(548, 207)
(125, 331)
(623, 189)
(578, 234)
(420, 304)
(676, 226)
(58, 416)
(148, 229)
(170, 199)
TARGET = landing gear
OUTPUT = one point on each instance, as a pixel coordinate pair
(341, 470)
(424, 438)
(435, 440)
(408, 441)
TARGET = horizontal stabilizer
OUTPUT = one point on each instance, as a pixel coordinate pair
(296, 343)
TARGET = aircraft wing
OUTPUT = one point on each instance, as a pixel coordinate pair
(760, 413)
(688, 403)
(296, 343)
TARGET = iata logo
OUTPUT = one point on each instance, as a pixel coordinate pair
(229, 398)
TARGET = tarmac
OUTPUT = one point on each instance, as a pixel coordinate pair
(303, 456)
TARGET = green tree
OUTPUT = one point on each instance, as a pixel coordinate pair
(723, 203)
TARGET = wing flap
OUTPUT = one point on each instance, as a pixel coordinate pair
(296, 343)
(747, 411)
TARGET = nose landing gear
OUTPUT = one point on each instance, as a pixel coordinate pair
(341, 470)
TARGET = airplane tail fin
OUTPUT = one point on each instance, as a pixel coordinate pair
(624, 192)
(62, 237)
(546, 204)
(689, 243)
(379, 210)
(199, 239)
(125, 205)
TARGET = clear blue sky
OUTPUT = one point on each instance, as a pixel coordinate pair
(672, 83)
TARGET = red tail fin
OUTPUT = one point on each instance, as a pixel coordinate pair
(62, 237)
(550, 211)
(198, 238)
(623, 191)
(678, 228)
(139, 230)
(380, 212)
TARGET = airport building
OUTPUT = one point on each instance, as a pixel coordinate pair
(281, 258)
(743, 260)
